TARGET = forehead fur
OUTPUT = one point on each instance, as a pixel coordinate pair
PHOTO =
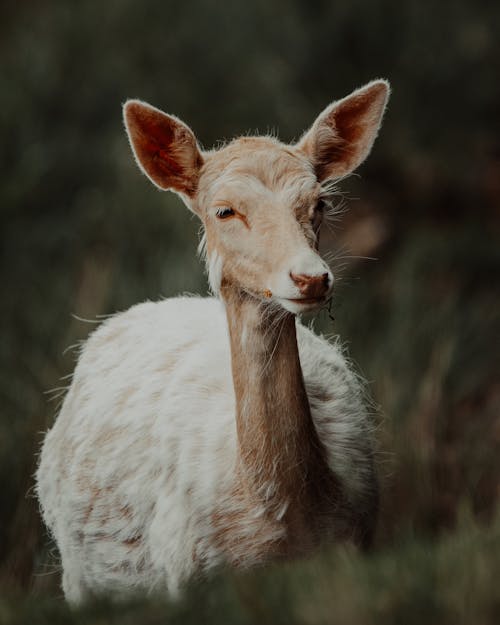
(265, 161)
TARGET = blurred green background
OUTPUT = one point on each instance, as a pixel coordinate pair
(83, 234)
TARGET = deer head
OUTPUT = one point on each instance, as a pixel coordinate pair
(261, 201)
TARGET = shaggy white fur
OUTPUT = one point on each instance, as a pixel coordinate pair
(144, 448)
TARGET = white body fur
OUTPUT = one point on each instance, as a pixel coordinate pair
(144, 449)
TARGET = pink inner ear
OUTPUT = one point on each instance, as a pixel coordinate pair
(350, 130)
(353, 117)
(163, 148)
(342, 138)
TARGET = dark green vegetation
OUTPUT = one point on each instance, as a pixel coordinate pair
(83, 233)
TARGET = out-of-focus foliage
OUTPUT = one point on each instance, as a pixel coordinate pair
(83, 233)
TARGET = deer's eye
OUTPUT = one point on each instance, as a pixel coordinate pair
(318, 214)
(320, 206)
(224, 212)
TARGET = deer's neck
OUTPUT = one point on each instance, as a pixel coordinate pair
(281, 460)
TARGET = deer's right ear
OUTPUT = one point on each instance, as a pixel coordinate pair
(165, 148)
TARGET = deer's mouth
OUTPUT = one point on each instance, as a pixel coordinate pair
(308, 300)
(302, 304)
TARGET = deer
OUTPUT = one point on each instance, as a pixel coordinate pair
(200, 432)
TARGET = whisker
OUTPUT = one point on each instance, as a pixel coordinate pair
(96, 321)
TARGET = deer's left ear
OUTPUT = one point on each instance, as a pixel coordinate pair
(342, 136)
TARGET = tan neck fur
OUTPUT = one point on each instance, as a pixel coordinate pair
(281, 460)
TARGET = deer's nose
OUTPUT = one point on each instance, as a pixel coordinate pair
(312, 286)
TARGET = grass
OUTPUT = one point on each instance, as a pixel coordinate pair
(453, 580)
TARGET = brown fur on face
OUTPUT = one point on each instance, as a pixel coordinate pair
(274, 188)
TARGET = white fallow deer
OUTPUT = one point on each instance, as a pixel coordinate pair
(207, 431)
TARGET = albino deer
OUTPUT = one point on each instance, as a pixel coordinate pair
(207, 431)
